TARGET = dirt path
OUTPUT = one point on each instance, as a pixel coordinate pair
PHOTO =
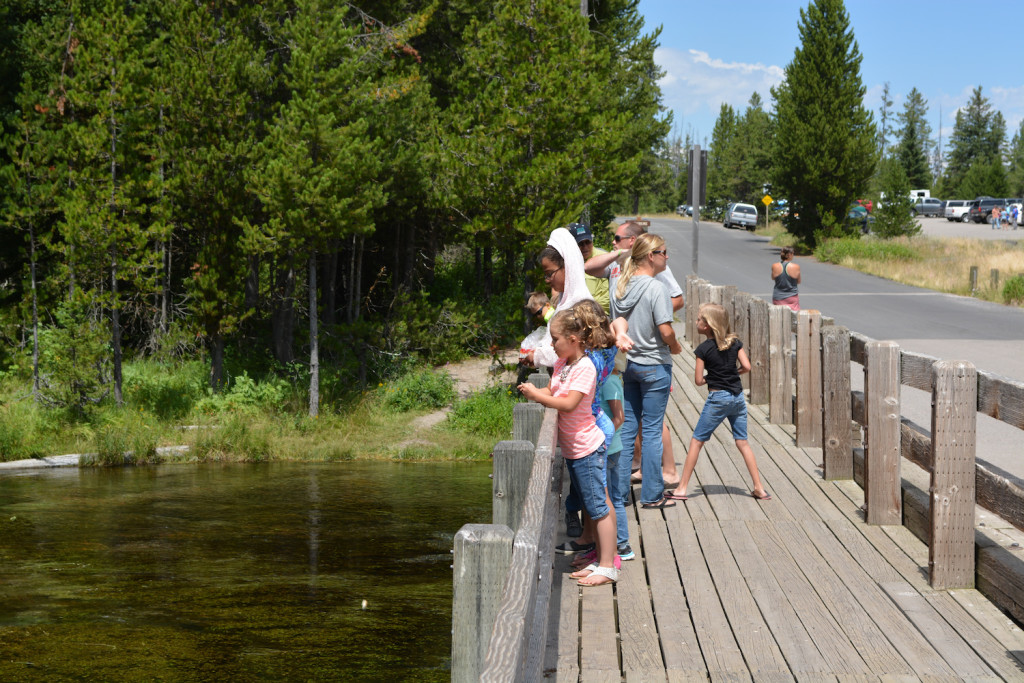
(472, 375)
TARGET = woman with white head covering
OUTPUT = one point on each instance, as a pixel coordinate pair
(563, 271)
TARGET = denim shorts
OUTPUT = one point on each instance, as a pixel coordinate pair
(589, 474)
(719, 406)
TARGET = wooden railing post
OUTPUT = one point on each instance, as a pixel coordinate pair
(780, 372)
(728, 297)
(513, 461)
(704, 296)
(741, 326)
(836, 433)
(692, 303)
(882, 492)
(808, 379)
(954, 418)
(482, 553)
(539, 379)
(758, 351)
(526, 419)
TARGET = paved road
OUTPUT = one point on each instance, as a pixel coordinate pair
(951, 327)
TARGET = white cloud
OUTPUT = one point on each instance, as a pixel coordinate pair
(696, 85)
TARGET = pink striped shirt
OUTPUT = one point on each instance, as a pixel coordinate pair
(578, 433)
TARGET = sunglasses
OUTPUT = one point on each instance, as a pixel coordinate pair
(537, 312)
(619, 238)
(660, 251)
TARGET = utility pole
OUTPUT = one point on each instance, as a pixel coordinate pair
(696, 193)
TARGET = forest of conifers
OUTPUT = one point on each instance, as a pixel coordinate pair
(298, 182)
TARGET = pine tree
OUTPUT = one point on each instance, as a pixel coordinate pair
(722, 160)
(977, 138)
(317, 170)
(1015, 174)
(893, 217)
(884, 116)
(915, 140)
(826, 145)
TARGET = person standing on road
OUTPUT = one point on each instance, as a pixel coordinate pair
(786, 275)
(995, 217)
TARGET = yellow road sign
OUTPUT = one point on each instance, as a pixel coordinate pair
(767, 199)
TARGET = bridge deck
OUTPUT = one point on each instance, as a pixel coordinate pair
(728, 588)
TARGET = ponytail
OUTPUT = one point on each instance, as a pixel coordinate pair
(642, 246)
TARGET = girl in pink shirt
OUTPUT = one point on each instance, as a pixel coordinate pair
(571, 392)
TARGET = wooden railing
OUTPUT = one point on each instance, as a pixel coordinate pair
(503, 571)
(807, 384)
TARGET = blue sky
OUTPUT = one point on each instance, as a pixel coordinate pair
(716, 51)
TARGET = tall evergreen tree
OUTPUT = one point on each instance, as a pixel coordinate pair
(317, 170)
(915, 140)
(977, 138)
(825, 149)
(893, 217)
(1015, 173)
(884, 121)
(723, 159)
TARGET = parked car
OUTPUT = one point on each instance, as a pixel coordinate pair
(927, 206)
(681, 209)
(981, 208)
(867, 204)
(742, 215)
(859, 215)
(956, 210)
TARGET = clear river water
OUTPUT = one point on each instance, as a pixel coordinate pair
(233, 572)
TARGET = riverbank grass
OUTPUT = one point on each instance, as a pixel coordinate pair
(415, 417)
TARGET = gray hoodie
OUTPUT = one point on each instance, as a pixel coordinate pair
(645, 305)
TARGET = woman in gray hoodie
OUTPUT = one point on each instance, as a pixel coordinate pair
(645, 304)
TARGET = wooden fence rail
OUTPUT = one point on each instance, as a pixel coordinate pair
(503, 571)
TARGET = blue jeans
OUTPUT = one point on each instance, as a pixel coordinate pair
(645, 390)
(572, 501)
(619, 466)
(589, 475)
(721, 405)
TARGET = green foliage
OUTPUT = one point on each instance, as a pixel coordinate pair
(23, 430)
(166, 391)
(836, 250)
(985, 178)
(75, 358)
(245, 395)
(487, 412)
(234, 439)
(915, 140)
(1013, 290)
(825, 145)
(422, 389)
(893, 217)
(123, 444)
(976, 141)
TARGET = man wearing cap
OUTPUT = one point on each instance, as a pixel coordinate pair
(598, 286)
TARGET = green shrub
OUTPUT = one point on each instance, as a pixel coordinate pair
(236, 439)
(1013, 290)
(487, 412)
(21, 431)
(836, 250)
(123, 444)
(168, 391)
(246, 395)
(422, 389)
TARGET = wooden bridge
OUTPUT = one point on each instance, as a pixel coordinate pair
(726, 587)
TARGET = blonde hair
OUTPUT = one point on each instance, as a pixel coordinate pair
(643, 246)
(566, 323)
(537, 300)
(715, 317)
(597, 328)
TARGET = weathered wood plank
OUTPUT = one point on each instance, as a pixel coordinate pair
(758, 351)
(741, 326)
(882, 455)
(599, 647)
(916, 370)
(526, 419)
(1001, 397)
(786, 625)
(780, 370)
(638, 630)
(718, 646)
(562, 654)
(681, 651)
(513, 461)
(958, 654)
(809, 403)
(954, 417)
(760, 651)
(836, 408)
